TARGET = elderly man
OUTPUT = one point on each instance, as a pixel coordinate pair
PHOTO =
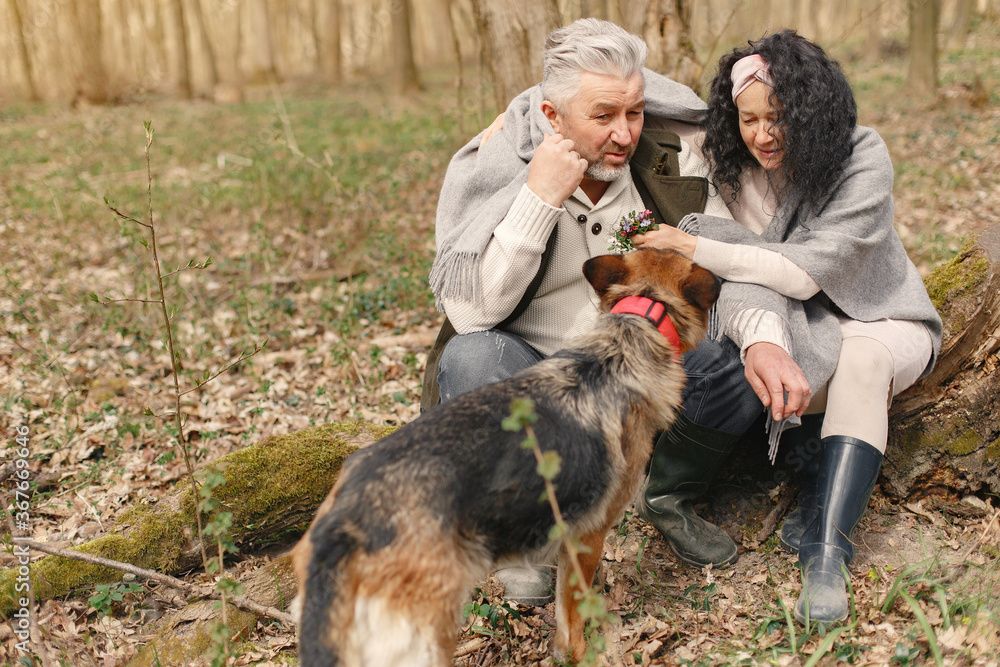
(519, 214)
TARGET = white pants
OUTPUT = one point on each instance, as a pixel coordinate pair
(877, 361)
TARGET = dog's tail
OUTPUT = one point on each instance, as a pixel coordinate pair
(376, 597)
(322, 595)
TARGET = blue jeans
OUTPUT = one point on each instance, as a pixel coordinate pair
(470, 361)
(717, 394)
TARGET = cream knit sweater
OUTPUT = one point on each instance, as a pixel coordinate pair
(565, 304)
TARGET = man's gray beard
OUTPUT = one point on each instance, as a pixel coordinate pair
(601, 172)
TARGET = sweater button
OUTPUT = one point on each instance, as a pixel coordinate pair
(581, 218)
(596, 228)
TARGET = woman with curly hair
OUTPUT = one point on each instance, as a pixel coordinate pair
(821, 311)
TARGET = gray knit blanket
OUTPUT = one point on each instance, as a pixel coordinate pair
(848, 244)
(482, 182)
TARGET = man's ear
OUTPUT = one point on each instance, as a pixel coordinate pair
(701, 287)
(604, 271)
(552, 114)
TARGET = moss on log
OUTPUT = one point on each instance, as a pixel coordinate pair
(944, 432)
(272, 487)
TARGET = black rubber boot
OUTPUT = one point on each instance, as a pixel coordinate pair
(804, 449)
(684, 461)
(848, 471)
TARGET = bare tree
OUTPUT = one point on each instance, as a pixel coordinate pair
(961, 24)
(806, 18)
(22, 47)
(511, 35)
(327, 40)
(873, 48)
(404, 67)
(922, 76)
(456, 46)
(198, 18)
(91, 73)
(667, 31)
(262, 51)
(597, 9)
(175, 10)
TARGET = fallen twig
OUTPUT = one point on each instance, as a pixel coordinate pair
(770, 522)
(470, 647)
(982, 535)
(240, 601)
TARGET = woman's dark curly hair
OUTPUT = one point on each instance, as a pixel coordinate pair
(816, 115)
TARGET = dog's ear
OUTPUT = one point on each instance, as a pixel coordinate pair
(604, 271)
(701, 287)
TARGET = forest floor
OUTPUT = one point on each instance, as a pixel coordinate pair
(316, 208)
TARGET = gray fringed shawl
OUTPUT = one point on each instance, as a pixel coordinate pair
(482, 183)
(848, 244)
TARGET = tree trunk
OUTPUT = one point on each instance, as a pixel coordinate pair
(597, 9)
(22, 49)
(667, 31)
(960, 26)
(206, 43)
(944, 432)
(260, 48)
(92, 80)
(328, 40)
(272, 489)
(183, 54)
(512, 34)
(456, 47)
(873, 49)
(922, 76)
(806, 18)
(404, 67)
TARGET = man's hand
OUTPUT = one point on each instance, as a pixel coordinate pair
(555, 170)
(772, 372)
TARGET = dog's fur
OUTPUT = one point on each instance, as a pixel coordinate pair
(419, 517)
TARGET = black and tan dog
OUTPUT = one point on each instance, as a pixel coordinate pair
(419, 517)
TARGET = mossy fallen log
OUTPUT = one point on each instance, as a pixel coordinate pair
(944, 432)
(271, 488)
(185, 636)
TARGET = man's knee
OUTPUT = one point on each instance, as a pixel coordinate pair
(717, 394)
(470, 361)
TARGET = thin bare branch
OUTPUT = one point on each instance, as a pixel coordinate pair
(125, 216)
(106, 302)
(243, 357)
(240, 601)
(182, 269)
(982, 535)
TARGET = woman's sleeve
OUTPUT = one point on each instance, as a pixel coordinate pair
(749, 264)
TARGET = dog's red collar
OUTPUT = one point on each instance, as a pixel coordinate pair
(654, 311)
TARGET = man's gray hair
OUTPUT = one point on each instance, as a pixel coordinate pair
(587, 45)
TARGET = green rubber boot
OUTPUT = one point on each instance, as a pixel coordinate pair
(805, 449)
(684, 461)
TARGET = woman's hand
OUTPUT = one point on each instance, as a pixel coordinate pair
(666, 237)
(494, 127)
(772, 373)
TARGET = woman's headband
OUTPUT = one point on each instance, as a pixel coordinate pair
(747, 70)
